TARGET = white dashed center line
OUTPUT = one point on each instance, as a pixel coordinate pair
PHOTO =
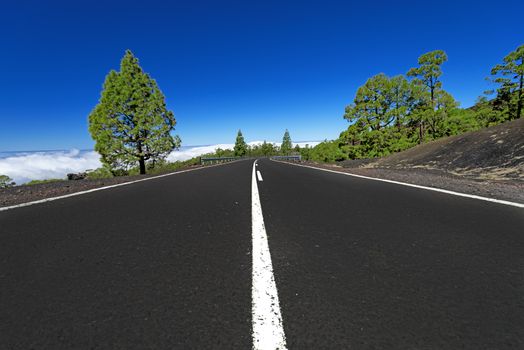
(268, 331)
(259, 175)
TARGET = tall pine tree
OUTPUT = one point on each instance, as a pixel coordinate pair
(510, 76)
(240, 145)
(286, 146)
(428, 74)
(131, 123)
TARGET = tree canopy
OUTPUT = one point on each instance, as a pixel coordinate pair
(427, 74)
(240, 149)
(429, 70)
(392, 114)
(510, 76)
(286, 146)
(131, 124)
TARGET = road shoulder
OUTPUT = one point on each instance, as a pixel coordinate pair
(25, 194)
(502, 190)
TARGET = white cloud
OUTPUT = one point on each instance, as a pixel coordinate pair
(191, 152)
(26, 166)
(304, 143)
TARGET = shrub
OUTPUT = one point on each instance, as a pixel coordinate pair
(100, 173)
(6, 181)
(36, 182)
(327, 151)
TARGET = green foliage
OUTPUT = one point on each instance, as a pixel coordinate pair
(265, 149)
(286, 146)
(268, 149)
(427, 75)
(510, 76)
(131, 123)
(486, 114)
(240, 149)
(157, 167)
(438, 117)
(382, 102)
(460, 121)
(305, 152)
(100, 173)
(37, 182)
(162, 166)
(6, 181)
(219, 152)
(384, 114)
(327, 151)
(429, 70)
(393, 114)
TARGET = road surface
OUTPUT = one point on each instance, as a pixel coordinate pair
(312, 260)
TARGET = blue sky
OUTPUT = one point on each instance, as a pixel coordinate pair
(260, 66)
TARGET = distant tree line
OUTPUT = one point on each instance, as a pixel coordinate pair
(265, 149)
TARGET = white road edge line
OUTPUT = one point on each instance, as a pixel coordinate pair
(102, 188)
(268, 331)
(259, 175)
(460, 194)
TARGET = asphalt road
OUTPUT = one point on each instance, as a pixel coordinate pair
(168, 263)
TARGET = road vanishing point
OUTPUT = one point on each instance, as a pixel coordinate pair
(262, 255)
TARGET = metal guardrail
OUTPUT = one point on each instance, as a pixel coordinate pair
(295, 158)
(217, 160)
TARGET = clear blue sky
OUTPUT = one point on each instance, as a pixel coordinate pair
(262, 66)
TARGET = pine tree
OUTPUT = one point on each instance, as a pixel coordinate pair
(131, 123)
(510, 75)
(427, 74)
(240, 145)
(267, 148)
(286, 146)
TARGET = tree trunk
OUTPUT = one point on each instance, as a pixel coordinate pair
(421, 132)
(141, 159)
(142, 163)
(519, 100)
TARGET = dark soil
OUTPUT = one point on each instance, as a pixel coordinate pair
(495, 153)
(356, 163)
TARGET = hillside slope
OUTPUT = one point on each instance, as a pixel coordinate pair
(495, 153)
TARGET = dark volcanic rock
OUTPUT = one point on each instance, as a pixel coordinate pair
(76, 176)
(494, 153)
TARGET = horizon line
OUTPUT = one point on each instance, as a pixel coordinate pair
(92, 149)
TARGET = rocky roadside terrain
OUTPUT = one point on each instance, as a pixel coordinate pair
(510, 190)
(488, 162)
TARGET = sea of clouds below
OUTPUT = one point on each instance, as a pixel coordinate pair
(23, 167)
